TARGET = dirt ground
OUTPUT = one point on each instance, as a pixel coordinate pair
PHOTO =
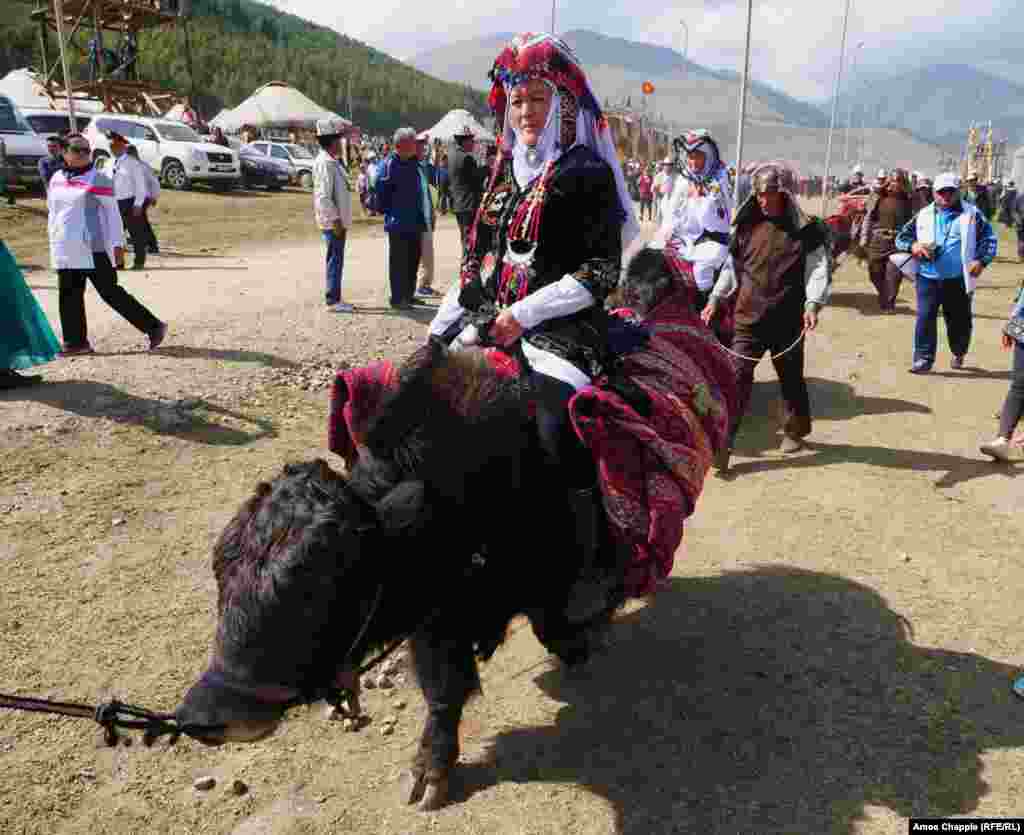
(832, 653)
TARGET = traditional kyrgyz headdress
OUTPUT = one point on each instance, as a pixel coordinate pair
(576, 117)
(699, 140)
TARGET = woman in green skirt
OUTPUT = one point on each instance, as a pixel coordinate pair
(26, 339)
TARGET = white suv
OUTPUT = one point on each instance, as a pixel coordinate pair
(289, 152)
(22, 147)
(173, 149)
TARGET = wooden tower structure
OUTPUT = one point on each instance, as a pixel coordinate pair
(111, 28)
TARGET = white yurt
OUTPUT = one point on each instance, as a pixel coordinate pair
(274, 105)
(23, 88)
(457, 121)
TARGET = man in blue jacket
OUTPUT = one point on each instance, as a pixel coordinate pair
(401, 198)
(950, 242)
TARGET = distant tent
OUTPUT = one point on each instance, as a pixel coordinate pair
(274, 105)
(23, 88)
(456, 122)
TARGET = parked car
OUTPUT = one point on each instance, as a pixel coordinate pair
(48, 122)
(260, 170)
(23, 148)
(298, 156)
(172, 149)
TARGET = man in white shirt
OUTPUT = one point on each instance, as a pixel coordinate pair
(152, 196)
(332, 206)
(130, 192)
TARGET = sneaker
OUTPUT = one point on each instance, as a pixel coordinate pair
(156, 336)
(76, 350)
(790, 444)
(957, 362)
(341, 307)
(920, 367)
(998, 449)
(427, 293)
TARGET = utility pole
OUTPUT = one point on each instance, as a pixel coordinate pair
(743, 107)
(58, 9)
(554, 3)
(849, 119)
(835, 109)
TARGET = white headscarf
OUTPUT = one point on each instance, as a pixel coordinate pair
(528, 162)
(526, 167)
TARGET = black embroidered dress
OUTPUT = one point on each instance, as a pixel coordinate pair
(573, 228)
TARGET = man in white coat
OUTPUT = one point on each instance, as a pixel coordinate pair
(332, 206)
(130, 192)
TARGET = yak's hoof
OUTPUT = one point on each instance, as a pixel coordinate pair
(411, 787)
(435, 796)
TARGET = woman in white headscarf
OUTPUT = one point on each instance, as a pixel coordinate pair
(698, 219)
(543, 255)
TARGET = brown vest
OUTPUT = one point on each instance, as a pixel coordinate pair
(769, 262)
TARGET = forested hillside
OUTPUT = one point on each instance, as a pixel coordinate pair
(237, 45)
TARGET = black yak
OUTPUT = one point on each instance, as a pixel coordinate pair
(447, 527)
(451, 522)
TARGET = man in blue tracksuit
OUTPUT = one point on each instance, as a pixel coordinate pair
(400, 197)
(951, 243)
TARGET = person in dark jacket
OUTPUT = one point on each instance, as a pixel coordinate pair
(978, 195)
(401, 197)
(465, 182)
(53, 162)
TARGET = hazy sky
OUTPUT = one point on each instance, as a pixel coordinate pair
(795, 44)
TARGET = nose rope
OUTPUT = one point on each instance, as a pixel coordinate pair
(109, 715)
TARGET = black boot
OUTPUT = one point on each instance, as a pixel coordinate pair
(590, 594)
(11, 379)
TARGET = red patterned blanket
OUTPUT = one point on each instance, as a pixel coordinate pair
(651, 466)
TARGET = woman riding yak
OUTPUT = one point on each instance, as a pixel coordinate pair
(697, 224)
(543, 255)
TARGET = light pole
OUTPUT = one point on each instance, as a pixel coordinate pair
(743, 107)
(835, 109)
(554, 3)
(849, 119)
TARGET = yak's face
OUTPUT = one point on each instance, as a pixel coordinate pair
(294, 590)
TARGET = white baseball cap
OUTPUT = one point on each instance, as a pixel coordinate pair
(947, 180)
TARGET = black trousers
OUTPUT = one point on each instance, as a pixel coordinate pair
(71, 295)
(137, 228)
(571, 459)
(403, 261)
(465, 220)
(774, 334)
(151, 242)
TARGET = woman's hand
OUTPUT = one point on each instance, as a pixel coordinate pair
(506, 330)
(1007, 341)
(709, 311)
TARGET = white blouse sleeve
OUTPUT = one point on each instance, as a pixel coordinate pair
(562, 298)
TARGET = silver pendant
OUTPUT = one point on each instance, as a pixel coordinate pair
(532, 157)
(520, 259)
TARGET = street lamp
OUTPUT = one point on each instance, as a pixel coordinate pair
(849, 120)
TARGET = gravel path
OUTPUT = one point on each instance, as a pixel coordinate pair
(832, 653)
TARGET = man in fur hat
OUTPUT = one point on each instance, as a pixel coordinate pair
(780, 267)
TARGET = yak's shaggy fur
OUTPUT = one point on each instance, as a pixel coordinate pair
(450, 515)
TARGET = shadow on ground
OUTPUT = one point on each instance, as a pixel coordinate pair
(834, 400)
(194, 420)
(187, 352)
(768, 701)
